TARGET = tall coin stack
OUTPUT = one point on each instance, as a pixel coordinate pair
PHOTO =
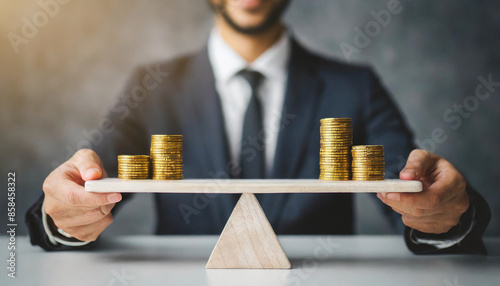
(368, 163)
(133, 167)
(166, 157)
(335, 152)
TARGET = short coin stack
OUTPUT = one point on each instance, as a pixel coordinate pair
(166, 157)
(368, 163)
(335, 152)
(133, 167)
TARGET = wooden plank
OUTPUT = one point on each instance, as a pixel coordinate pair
(251, 186)
(248, 240)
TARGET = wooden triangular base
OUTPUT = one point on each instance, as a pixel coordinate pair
(248, 240)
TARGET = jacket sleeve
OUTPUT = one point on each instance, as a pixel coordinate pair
(386, 126)
(37, 233)
(464, 238)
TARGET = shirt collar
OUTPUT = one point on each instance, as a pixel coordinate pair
(226, 62)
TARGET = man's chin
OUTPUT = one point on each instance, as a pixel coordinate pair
(252, 23)
(248, 24)
(250, 29)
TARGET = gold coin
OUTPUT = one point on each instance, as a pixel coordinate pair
(123, 170)
(168, 178)
(333, 156)
(166, 137)
(334, 176)
(336, 120)
(367, 156)
(337, 143)
(169, 169)
(168, 162)
(343, 162)
(369, 168)
(368, 153)
(368, 174)
(142, 176)
(133, 157)
(360, 147)
(368, 165)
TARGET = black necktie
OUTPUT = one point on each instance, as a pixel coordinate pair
(252, 159)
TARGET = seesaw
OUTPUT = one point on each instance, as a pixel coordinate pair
(248, 240)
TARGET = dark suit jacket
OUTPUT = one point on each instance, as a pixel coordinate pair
(186, 102)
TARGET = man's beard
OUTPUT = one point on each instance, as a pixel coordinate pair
(272, 19)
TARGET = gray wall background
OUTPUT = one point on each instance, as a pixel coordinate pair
(61, 80)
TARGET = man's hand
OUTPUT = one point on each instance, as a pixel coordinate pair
(441, 203)
(79, 213)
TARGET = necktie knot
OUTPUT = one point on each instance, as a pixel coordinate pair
(254, 78)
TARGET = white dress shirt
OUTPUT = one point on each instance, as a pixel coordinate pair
(235, 92)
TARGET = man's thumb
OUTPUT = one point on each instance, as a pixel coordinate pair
(88, 164)
(419, 164)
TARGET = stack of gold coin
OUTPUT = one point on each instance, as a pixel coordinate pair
(368, 163)
(166, 157)
(133, 167)
(335, 152)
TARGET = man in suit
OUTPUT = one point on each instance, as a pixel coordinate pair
(249, 106)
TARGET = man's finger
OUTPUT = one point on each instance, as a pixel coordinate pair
(88, 163)
(419, 164)
(73, 194)
(405, 201)
(107, 208)
(90, 232)
(82, 218)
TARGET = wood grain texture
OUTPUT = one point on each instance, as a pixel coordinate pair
(251, 186)
(248, 240)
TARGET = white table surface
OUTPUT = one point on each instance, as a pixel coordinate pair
(316, 260)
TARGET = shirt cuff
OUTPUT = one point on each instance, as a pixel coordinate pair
(61, 237)
(449, 239)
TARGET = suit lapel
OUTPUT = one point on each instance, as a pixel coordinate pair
(299, 113)
(209, 129)
(207, 112)
(297, 124)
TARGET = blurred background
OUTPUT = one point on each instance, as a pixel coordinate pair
(63, 62)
